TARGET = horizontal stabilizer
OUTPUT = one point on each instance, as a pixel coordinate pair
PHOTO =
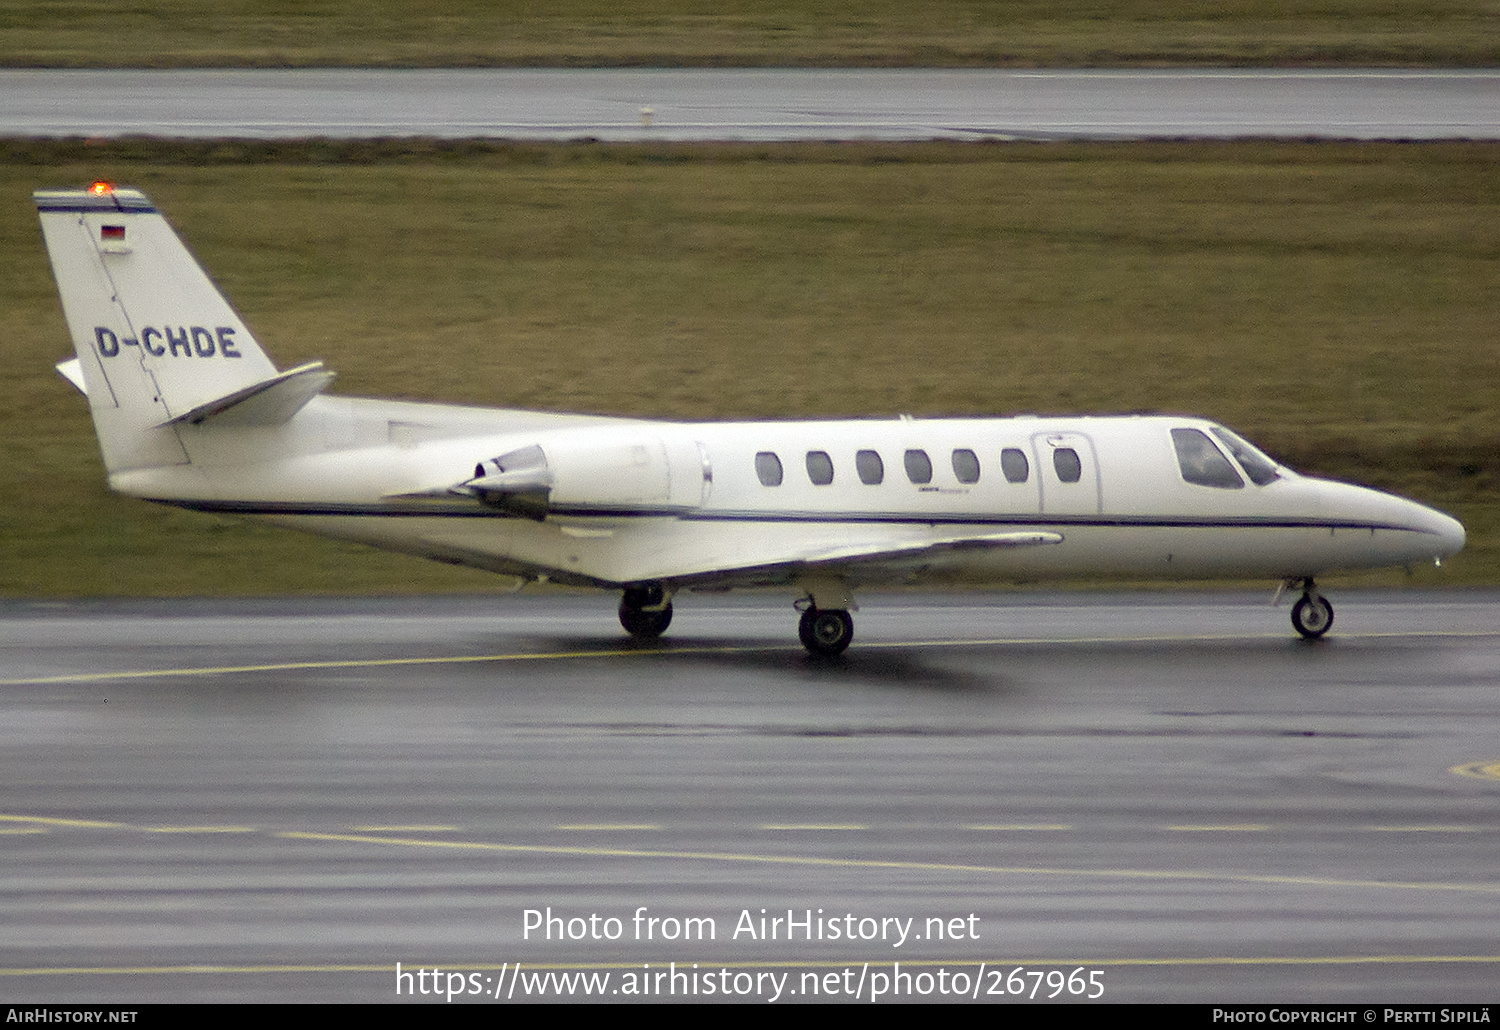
(271, 402)
(72, 371)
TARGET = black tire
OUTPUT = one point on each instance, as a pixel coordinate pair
(645, 625)
(643, 595)
(1312, 616)
(826, 631)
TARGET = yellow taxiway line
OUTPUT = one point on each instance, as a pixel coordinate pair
(858, 863)
(672, 650)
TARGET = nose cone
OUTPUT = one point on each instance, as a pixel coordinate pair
(1448, 530)
(1426, 533)
(1441, 534)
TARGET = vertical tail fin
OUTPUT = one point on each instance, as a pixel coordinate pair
(155, 339)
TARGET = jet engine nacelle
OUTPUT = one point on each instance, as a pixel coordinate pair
(599, 472)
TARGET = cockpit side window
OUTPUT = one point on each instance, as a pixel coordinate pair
(1202, 463)
(1257, 466)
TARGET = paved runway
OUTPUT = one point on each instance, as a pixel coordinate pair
(751, 104)
(281, 800)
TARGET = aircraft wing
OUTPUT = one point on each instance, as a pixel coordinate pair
(885, 549)
(690, 551)
(772, 557)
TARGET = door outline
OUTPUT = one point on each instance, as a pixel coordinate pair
(1057, 497)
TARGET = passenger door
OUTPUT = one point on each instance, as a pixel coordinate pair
(1067, 473)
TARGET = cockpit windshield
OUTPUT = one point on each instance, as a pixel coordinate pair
(1257, 466)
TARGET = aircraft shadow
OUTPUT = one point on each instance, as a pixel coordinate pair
(887, 667)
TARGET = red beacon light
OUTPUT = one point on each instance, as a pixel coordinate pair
(101, 188)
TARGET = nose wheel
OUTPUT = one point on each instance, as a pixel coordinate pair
(826, 631)
(1312, 615)
(645, 610)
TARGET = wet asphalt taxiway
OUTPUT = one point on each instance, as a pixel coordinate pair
(280, 800)
(756, 104)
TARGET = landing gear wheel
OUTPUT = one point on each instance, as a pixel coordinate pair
(644, 612)
(647, 625)
(1312, 616)
(826, 631)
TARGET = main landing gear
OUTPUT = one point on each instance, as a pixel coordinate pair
(646, 610)
(826, 631)
(1312, 615)
(826, 627)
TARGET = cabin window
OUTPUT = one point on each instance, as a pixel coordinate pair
(1069, 468)
(1015, 466)
(768, 468)
(1257, 466)
(819, 468)
(870, 468)
(1202, 463)
(918, 467)
(966, 466)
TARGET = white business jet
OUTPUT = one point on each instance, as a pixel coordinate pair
(189, 411)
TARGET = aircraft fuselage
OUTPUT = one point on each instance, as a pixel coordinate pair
(868, 501)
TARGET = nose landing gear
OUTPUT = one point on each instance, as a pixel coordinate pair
(1312, 615)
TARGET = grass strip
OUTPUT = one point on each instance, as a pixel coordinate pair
(1334, 302)
(748, 33)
